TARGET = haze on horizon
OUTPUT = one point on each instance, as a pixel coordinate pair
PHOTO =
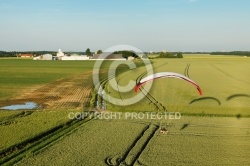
(150, 25)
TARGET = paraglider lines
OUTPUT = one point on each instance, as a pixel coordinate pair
(147, 94)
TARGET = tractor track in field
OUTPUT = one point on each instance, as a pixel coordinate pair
(102, 84)
(229, 75)
(17, 152)
(12, 119)
(134, 151)
(186, 71)
(159, 106)
(70, 93)
(104, 81)
(147, 94)
(137, 79)
(119, 81)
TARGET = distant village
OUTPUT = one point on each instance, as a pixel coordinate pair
(62, 56)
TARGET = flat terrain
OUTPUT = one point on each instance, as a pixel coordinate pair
(21, 76)
(50, 84)
(223, 80)
(190, 141)
(19, 126)
(71, 92)
(214, 128)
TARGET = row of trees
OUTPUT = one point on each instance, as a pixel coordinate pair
(14, 53)
(7, 54)
(240, 53)
(126, 54)
(170, 55)
(37, 53)
(89, 53)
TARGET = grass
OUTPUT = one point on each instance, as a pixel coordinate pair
(26, 125)
(205, 141)
(152, 55)
(89, 145)
(224, 81)
(205, 137)
(19, 75)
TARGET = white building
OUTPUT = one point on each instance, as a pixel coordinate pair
(59, 54)
(43, 57)
(46, 57)
(80, 57)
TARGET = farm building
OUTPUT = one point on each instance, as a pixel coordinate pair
(23, 55)
(130, 58)
(37, 58)
(43, 57)
(75, 57)
(59, 54)
(108, 56)
(46, 57)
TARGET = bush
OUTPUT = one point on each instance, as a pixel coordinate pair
(170, 55)
(179, 55)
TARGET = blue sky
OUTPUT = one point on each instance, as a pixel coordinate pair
(174, 25)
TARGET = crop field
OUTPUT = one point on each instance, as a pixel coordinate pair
(56, 86)
(213, 129)
(19, 76)
(223, 80)
(50, 84)
(22, 125)
(190, 141)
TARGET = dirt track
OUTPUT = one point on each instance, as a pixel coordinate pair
(71, 93)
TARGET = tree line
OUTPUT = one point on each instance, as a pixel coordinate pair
(35, 53)
(125, 54)
(7, 54)
(15, 53)
(170, 55)
(240, 53)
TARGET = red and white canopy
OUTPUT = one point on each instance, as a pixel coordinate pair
(166, 75)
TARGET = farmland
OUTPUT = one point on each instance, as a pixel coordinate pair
(224, 81)
(209, 140)
(213, 129)
(19, 75)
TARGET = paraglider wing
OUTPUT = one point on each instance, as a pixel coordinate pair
(166, 75)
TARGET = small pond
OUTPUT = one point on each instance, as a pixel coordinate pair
(25, 106)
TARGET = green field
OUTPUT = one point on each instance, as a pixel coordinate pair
(19, 75)
(206, 141)
(213, 130)
(223, 80)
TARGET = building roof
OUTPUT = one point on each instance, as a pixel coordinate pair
(25, 55)
(107, 56)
